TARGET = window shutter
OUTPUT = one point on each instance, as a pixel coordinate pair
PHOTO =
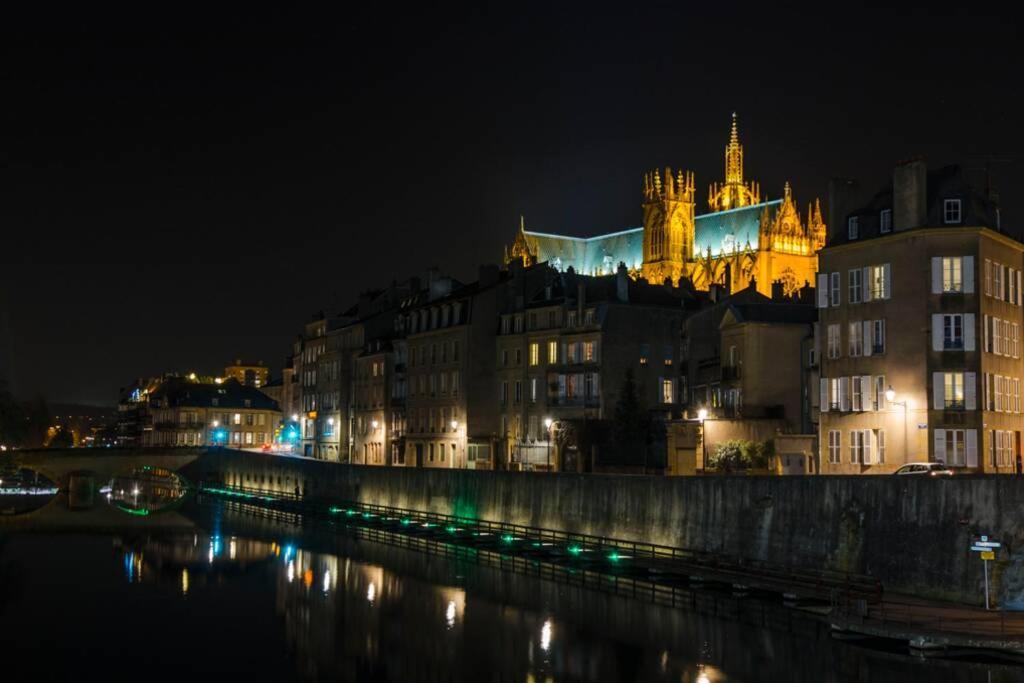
(866, 336)
(887, 281)
(823, 395)
(940, 445)
(868, 437)
(823, 290)
(844, 394)
(968, 332)
(971, 449)
(936, 275)
(970, 390)
(967, 273)
(1018, 302)
(938, 391)
(865, 283)
(936, 331)
(866, 400)
(984, 333)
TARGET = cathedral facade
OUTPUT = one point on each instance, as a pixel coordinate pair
(740, 238)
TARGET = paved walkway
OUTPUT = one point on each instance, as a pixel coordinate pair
(938, 623)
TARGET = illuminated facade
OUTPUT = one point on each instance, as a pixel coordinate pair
(742, 238)
(250, 374)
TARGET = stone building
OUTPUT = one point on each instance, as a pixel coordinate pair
(187, 413)
(919, 303)
(563, 356)
(746, 364)
(378, 403)
(251, 374)
(744, 238)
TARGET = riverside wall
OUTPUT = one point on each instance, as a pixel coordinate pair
(913, 533)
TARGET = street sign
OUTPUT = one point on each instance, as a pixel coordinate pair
(988, 555)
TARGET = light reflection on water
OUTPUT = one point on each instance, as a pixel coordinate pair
(344, 609)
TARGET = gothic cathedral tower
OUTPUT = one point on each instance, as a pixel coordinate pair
(668, 225)
(734, 192)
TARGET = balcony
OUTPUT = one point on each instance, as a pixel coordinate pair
(732, 372)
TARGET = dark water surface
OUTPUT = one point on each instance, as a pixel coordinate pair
(224, 594)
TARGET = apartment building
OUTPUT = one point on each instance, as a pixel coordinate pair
(379, 393)
(919, 302)
(564, 355)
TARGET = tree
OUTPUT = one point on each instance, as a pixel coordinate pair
(629, 433)
(738, 454)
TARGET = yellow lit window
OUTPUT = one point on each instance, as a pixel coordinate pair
(552, 352)
(534, 353)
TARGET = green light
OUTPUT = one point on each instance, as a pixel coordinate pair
(614, 557)
(450, 529)
(427, 525)
(335, 510)
(536, 544)
(350, 512)
(406, 521)
(508, 538)
(575, 549)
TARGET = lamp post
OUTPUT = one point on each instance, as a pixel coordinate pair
(547, 426)
(455, 431)
(702, 415)
(373, 425)
(890, 396)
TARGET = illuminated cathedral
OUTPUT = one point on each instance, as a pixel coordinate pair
(741, 238)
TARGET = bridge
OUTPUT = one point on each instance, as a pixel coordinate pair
(79, 473)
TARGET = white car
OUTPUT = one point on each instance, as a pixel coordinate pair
(934, 469)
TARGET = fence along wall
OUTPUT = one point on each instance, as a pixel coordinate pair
(913, 533)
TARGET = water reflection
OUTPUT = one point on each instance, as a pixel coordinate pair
(23, 490)
(145, 490)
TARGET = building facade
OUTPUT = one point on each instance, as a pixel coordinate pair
(187, 413)
(249, 374)
(920, 311)
(742, 239)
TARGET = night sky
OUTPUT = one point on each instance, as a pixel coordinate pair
(178, 191)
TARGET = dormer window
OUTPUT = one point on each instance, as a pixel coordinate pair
(951, 211)
(885, 221)
(853, 227)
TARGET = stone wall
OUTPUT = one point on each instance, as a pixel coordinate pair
(913, 533)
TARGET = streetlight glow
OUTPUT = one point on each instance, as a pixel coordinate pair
(890, 394)
(702, 414)
(455, 425)
(548, 422)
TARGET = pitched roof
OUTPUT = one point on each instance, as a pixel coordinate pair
(180, 393)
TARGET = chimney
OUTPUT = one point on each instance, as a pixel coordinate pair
(909, 195)
(842, 199)
(622, 283)
(777, 292)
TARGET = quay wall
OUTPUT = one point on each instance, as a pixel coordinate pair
(912, 533)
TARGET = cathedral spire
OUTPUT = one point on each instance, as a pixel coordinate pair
(734, 192)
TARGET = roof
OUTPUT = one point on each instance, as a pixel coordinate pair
(721, 232)
(774, 312)
(180, 393)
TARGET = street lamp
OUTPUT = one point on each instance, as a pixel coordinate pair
(702, 415)
(547, 426)
(890, 396)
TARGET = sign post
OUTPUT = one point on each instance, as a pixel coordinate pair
(987, 549)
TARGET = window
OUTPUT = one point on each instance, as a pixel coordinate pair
(856, 339)
(880, 445)
(954, 390)
(856, 285)
(885, 221)
(570, 319)
(880, 392)
(952, 274)
(853, 227)
(954, 447)
(533, 390)
(534, 353)
(506, 325)
(589, 317)
(833, 340)
(952, 331)
(519, 391)
(878, 281)
(834, 289)
(856, 446)
(951, 211)
(833, 446)
(589, 355)
(667, 390)
(857, 393)
(518, 326)
(504, 357)
(236, 418)
(504, 393)
(552, 352)
(877, 340)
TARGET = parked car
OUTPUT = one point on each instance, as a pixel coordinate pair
(935, 469)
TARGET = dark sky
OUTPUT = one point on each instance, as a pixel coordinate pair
(181, 190)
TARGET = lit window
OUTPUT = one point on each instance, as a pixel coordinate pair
(534, 353)
(954, 390)
(952, 274)
(951, 213)
(552, 352)
(667, 390)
